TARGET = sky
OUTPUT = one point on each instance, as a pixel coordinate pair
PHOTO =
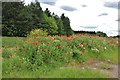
(87, 15)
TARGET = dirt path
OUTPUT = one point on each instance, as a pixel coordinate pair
(110, 69)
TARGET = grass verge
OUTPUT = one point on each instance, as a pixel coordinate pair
(61, 72)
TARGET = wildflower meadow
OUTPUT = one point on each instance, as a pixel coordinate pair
(48, 52)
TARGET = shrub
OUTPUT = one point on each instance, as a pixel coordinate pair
(101, 34)
(38, 32)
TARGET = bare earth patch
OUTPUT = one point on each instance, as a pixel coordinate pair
(105, 67)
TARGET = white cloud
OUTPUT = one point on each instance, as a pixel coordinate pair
(88, 16)
(27, 1)
(110, 0)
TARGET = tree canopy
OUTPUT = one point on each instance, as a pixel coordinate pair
(19, 19)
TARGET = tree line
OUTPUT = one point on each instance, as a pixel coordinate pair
(19, 19)
(98, 33)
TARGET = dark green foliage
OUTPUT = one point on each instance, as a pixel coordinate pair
(37, 12)
(10, 12)
(48, 12)
(19, 19)
(60, 25)
(101, 34)
(66, 24)
(49, 24)
(83, 32)
(118, 36)
(24, 22)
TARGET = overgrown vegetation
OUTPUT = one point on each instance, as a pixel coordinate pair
(37, 32)
(41, 44)
(33, 53)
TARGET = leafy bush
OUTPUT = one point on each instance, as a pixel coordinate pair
(37, 32)
(101, 34)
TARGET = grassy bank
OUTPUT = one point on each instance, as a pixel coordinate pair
(39, 57)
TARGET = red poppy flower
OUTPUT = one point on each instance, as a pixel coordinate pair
(80, 54)
(48, 43)
(16, 47)
(49, 52)
(44, 40)
(32, 42)
(110, 42)
(81, 45)
(54, 38)
(11, 55)
(83, 50)
(80, 34)
(38, 40)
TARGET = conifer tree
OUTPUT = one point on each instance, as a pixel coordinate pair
(66, 24)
